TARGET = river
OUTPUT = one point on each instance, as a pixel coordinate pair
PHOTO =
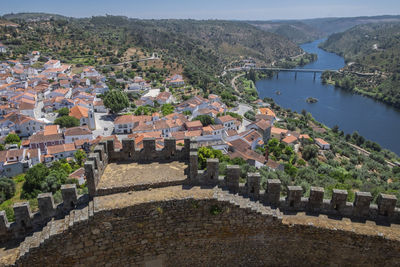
(374, 120)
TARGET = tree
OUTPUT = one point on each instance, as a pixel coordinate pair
(53, 181)
(80, 156)
(67, 121)
(7, 189)
(63, 112)
(335, 129)
(205, 153)
(12, 139)
(116, 101)
(309, 152)
(205, 119)
(167, 109)
(34, 177)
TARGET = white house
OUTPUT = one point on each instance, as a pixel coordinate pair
(52, 64)
(322, 144)
(228, 122)
(62, 151)
(77, 133)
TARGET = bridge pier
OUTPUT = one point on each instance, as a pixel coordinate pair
(295, 75)
(277, 75)
(315, 75)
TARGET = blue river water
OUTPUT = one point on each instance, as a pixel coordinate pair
(374, 120)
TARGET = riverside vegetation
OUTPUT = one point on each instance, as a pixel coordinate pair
(372, 52)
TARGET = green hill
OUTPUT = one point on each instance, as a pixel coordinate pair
(372, 49)
(201, 48)
(295, 31)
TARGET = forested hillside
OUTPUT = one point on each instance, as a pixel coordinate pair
(295, 31)
(200, 48)
(334, 25)
(372, 49)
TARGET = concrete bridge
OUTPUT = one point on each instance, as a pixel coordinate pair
(315, 71)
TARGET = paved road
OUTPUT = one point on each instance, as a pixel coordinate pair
(104, 124)
(241, 109)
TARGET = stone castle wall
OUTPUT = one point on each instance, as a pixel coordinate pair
(185, 231)
(206, 232)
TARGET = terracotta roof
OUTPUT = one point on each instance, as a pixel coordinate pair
(304, 136)
(263, 124)
(33, 152)
(289, 139)
(247, 155)
(240, 144)
(78, 174)
(231, 133)
(272, 164)
(79, 112)
(226, 118)
(80, 130)
(51, 129)
(267, 111)
(51, 150)
(26, 106)
(275, 130)
(190, 124)
(41, 138)
(124, 119)
(251, 136)
(80, 142)
(321, 141)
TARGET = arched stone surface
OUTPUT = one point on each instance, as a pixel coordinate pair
(187, 229)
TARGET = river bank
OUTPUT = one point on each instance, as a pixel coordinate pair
(351, 112)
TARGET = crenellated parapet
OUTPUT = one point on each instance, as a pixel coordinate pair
(106, 152)
(361, 208)
(27, 221)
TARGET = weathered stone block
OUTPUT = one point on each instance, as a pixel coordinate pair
(316, 198)
(46, 205)
(361, 204)
(293, 198)
(149, 145)
(96, 159)
(23, 215)
(253, 185)
(128, 148)
(386, 204)
(110, 146)
(339, 198)
(273, 191)
(69, 195)
(212, 170)
(193, 166)
(169, 148)
(99, 149)
(91, 178)
(232, 178)
(4, 225)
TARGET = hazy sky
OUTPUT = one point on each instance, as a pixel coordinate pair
(207, 9)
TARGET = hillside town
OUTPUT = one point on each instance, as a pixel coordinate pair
(32, 97)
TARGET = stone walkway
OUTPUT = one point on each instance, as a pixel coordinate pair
(129, 174)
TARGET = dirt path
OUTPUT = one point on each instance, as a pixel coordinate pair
(234, 81)
(365, 152)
